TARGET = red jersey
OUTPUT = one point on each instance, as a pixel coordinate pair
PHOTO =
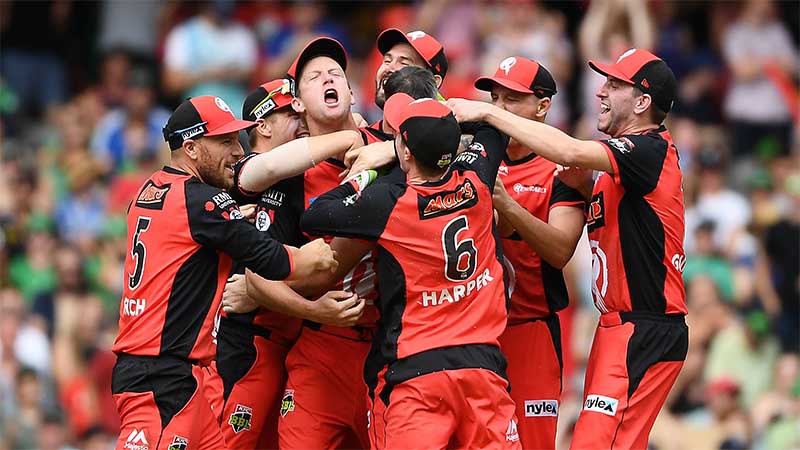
(301, 192)
(182, 234)
(537, 288)
(636, 225)
(441, 280)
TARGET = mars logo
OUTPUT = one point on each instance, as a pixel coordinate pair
(241, 418)
(463, 196)
(414, 35)
(507, 64)
(179, 443)
(152, 196)
(595, 213)
(599, 275)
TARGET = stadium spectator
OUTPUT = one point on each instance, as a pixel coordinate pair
(210, 53)
(755, 47)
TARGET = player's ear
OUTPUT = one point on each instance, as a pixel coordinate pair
(352, 98)
(643, 103)
(298, 106)
(438, 79)
(264, 128)
(543, 107)
(191, 149)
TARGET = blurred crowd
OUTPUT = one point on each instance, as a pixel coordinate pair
(86, 87)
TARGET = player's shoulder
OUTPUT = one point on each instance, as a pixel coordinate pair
(237, 167)
(656, 139)
(373, 134)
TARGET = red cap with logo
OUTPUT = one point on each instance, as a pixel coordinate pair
(201, 116)
(646, 71)
(428, 128)
(426, 45)
(266, 99)
(521, 75)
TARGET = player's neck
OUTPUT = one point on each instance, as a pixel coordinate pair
(636, 127)
(416, 176)
(319, 127)
(186, 166)
(517, 151)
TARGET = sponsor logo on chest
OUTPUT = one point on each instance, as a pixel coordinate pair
(446, 202)
(595, 213)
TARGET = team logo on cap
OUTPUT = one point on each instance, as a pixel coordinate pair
(414, 35)
(625, 55)
(221, 104)
(507, 64)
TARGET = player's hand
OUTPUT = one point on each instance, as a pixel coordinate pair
(338, 308)
(249, 212)
(576, 178)
(235, 298)
(467, 110)
(367, 157)
(499, 194)
(316, 256)
(360, 121)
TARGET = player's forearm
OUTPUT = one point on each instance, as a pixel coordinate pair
(293, 158)
(548, 142)
(551, 244)
(277, 296)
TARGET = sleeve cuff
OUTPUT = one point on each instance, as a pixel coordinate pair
(574, 203)
(291, 260)
(613, 159)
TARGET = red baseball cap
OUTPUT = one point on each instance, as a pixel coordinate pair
(321, 46)
(266, 99)
(722, 384)
(521, 75)
(428, 128)
(646, 71)
(426, 45)
(201, 116)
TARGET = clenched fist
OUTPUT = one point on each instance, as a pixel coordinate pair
(316, 256)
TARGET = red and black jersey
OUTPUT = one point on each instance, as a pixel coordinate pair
(301, 191)
(267, 203)
(441, 279)
(182, 234)
(537, 288)
(636, 225)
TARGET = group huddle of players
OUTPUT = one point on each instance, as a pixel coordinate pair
(348, 285)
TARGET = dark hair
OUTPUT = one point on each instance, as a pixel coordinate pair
(656, 114)
(414, 81)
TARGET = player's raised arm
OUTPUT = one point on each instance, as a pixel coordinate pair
(294, 157)
(549, 142)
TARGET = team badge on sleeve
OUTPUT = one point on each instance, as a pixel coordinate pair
(241, 418)
(179, 443)
(287, 404)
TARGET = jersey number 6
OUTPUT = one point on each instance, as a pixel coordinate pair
(460, 257)
(138, 252)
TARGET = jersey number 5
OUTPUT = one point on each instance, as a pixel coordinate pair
(460, 258)
(138, 252)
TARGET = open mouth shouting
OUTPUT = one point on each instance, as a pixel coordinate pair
(331, 97)
(604, 108)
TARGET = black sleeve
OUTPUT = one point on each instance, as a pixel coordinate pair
(637, 161)
(341, 212)
(564, 195)
(240, 195)
(285, 225)
(484, 154)
(215, 221)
